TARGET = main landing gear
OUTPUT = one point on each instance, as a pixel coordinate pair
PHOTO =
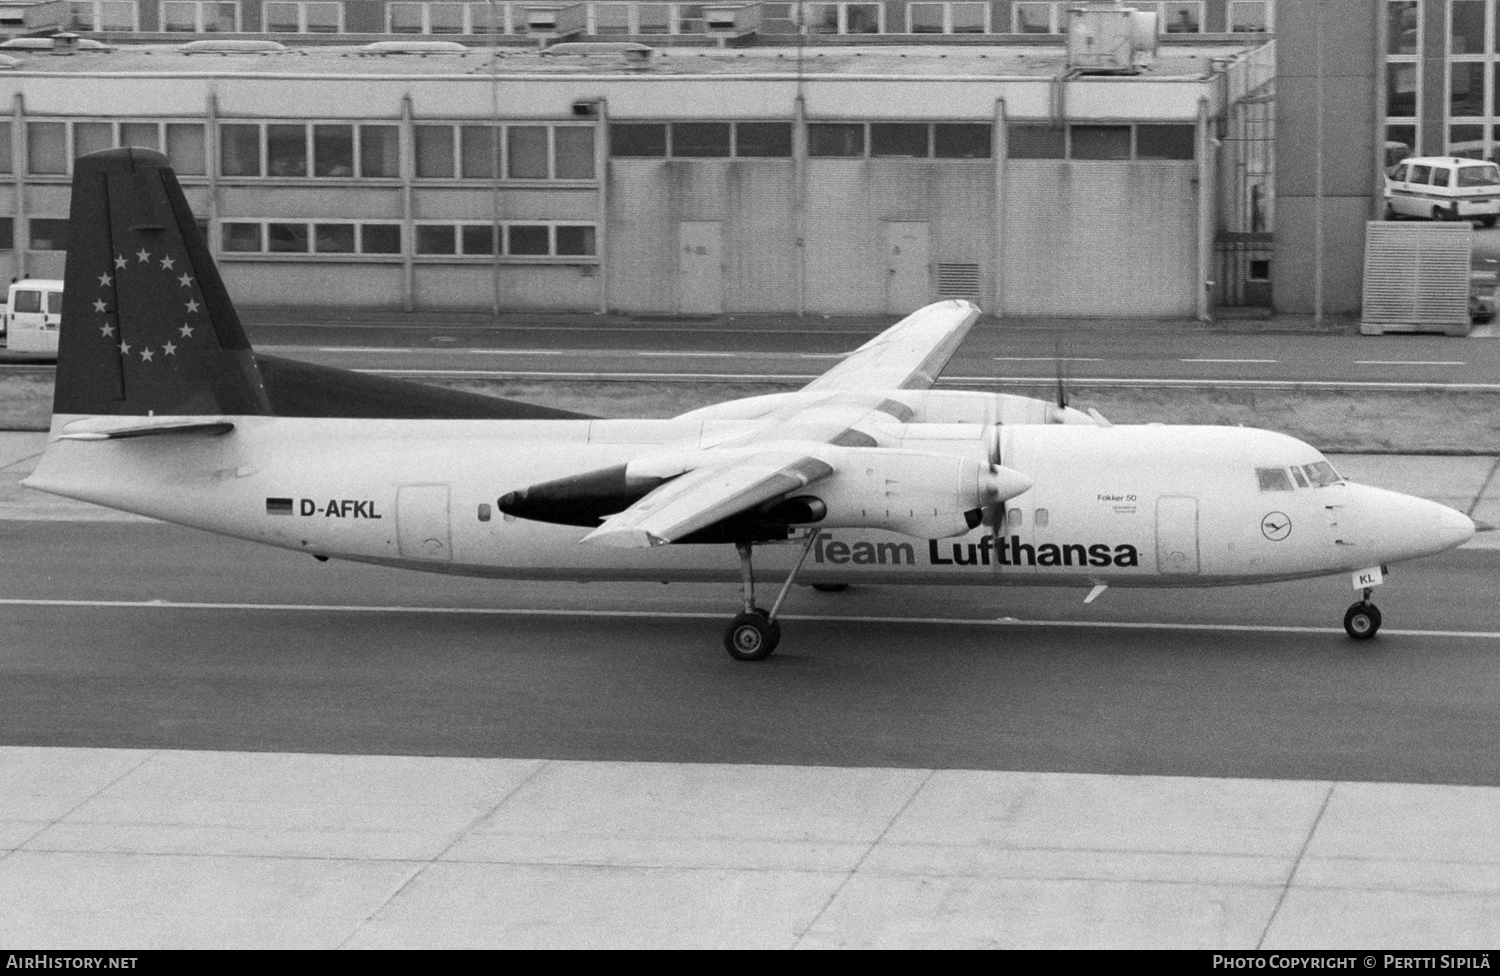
(754, 633)
(1362, 620)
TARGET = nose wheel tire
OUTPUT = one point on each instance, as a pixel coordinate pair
(752, 636)
(1362, 620)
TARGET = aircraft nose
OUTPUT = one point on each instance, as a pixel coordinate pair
(1453, 527)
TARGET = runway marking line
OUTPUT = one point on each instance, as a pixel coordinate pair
(1409, 362)
(1204, 360)
(699, 615)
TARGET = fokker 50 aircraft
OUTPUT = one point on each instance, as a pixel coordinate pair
(866, 475)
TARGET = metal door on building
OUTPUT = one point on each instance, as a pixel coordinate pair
(908, 281)
(1177, 535)
(702, 268)
(422, 522)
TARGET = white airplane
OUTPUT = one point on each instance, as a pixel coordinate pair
(866, 475)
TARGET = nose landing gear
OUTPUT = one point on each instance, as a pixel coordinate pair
(754, 633)
(1362, 620)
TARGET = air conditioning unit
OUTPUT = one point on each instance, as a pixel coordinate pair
(731, 19)
(1108, 38)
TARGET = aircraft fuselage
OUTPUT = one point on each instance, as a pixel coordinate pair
(1126, 505)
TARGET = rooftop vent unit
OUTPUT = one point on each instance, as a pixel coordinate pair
(556, 19)
(1109, 38)
(726, 20)
(221, 47)
(422, 48)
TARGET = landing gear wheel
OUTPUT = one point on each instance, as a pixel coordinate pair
(751, 636)
(830, 587)
(1362, 620)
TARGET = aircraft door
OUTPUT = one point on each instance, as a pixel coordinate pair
(702, 266)
(422, 522)
(1177, 535)
(908, 283)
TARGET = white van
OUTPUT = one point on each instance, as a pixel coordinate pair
(1444, 188)
(32, 315)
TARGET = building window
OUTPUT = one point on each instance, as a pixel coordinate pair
(1036, 142)
(835, 139)
(904, 139)
(947, 18)
(962, 140)
(1466, 26)
(91, 137)
(7, 234)
(1181, 18)
(1401, 90)
(437, 239)
(1466, 88)
(700, 140)
(527, 239)
(379, 151)
(843, 18)
(5, 149)
(1165, 141)
(286, 150)
(242, 237)
(1100, 142)
(239, 150)
(47, 148)
(198, 17)
(304, 17)
(1034, 18)
(526, 148)
(103, 15)
(1403, 29)
(518, 152)
(49, 233)
(333, 150)
(638, 139)
(1144, 141)
(343, 238)
(380, 239)
(763, 139)
(1249, 16)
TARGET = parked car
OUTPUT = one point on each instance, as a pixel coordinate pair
(1444, 188)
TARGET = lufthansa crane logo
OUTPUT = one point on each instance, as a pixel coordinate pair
(1276, 526)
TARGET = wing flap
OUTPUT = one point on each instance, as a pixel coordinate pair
(707, 495)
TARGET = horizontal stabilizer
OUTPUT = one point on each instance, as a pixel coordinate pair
(116, 428)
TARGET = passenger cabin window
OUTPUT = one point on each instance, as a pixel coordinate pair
(1479, 175)
(1321, 474)
(1440, 177)
(1273, 479)
(1040, 519)
(54, 302)
(1013, 518)
(28, 301)
(1400, 176)
(1420, 174)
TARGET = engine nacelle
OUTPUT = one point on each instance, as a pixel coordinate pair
(930, 496)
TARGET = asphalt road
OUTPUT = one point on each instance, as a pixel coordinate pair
(993, 351)
(255, 649)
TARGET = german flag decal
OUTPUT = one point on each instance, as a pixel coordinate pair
(278, 506)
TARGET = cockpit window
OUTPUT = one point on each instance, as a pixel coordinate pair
(1297, 474)
(1273, 479)
(1321, 474)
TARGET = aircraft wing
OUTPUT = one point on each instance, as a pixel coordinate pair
(909, 355)
(708, 494)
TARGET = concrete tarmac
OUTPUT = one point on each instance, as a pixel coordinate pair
(584, 766)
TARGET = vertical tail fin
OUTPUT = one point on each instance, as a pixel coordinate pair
(147, 325)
